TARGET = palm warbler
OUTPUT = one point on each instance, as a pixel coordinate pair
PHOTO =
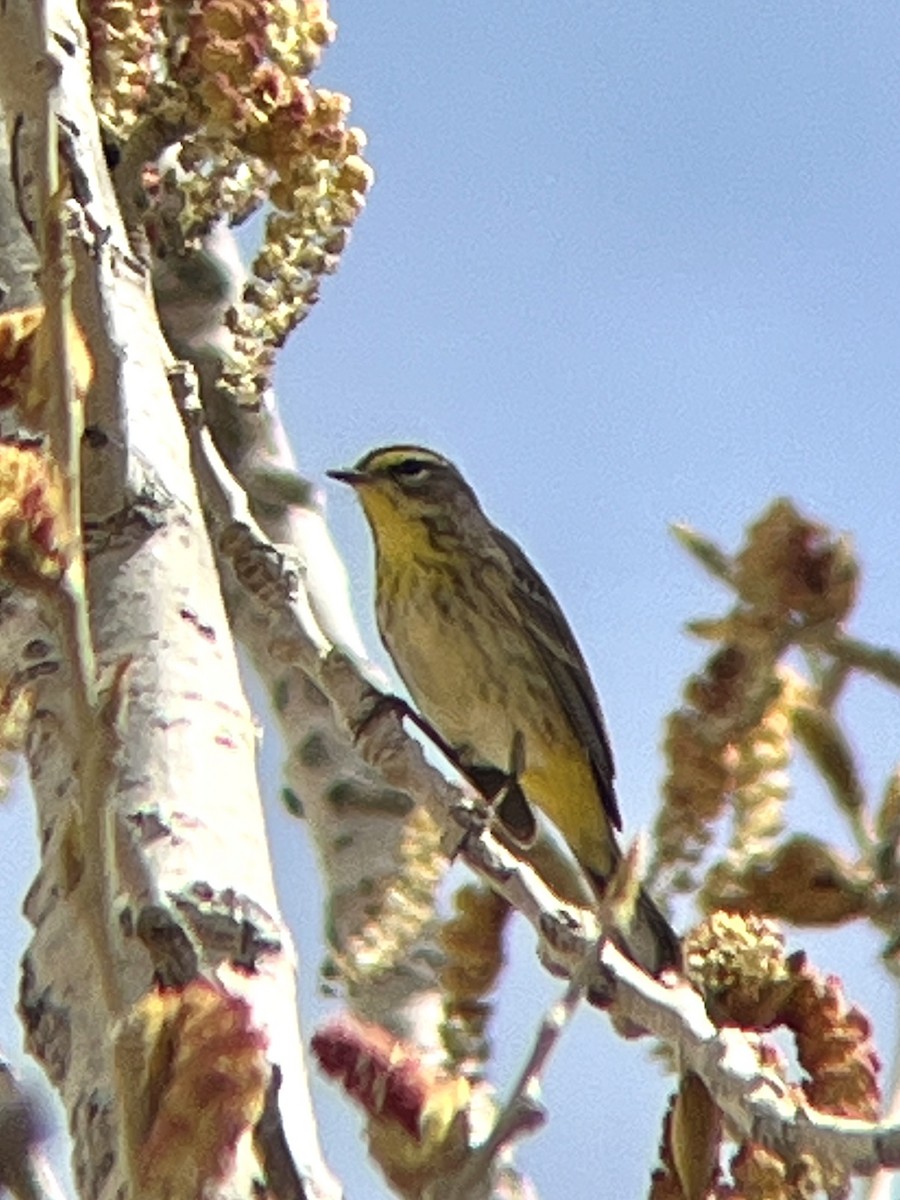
(490, 661)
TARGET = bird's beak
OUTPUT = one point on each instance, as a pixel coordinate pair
(348, 476)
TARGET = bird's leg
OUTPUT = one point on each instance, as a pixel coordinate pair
(500, 788)
(403, 709)
(506, 799)
(509, 801)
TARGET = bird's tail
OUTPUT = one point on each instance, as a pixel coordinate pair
(647, 938)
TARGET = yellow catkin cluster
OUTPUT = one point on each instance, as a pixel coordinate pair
(251, 66)
(472, 941)
(229, 80)
(802, 880)
(35, 545)
(245, 68)
(418, 1126)
(250, 63)
(728, 745)
(21, 379)
(760, 785)
(738, 964)
(216, 179)
(125, 38)
(18, 341)
(795, 571)
(34, 540)
(320, 188)
(401, 915)
(197, 1074)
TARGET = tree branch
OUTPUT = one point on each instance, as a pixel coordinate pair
(755, 1100)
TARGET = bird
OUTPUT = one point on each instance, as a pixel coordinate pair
(491, 663)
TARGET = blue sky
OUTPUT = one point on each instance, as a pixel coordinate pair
(627, 263)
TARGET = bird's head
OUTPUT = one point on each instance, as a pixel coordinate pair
(404, 487)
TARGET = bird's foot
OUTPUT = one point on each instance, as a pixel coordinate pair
(506, 800)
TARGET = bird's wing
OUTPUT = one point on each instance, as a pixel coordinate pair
(557, 649)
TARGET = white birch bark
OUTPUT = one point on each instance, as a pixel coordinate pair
(186, 886)
(359, 824)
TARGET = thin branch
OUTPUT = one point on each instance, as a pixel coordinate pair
(757, 1102)
(523, 1112)
(874, 660)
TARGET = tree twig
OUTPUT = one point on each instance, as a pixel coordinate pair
(523, 1113)
(757, 1102)
(875, 660)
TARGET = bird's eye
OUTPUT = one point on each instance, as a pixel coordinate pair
(411, 469)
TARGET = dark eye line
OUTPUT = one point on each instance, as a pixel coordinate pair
(410, 467)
